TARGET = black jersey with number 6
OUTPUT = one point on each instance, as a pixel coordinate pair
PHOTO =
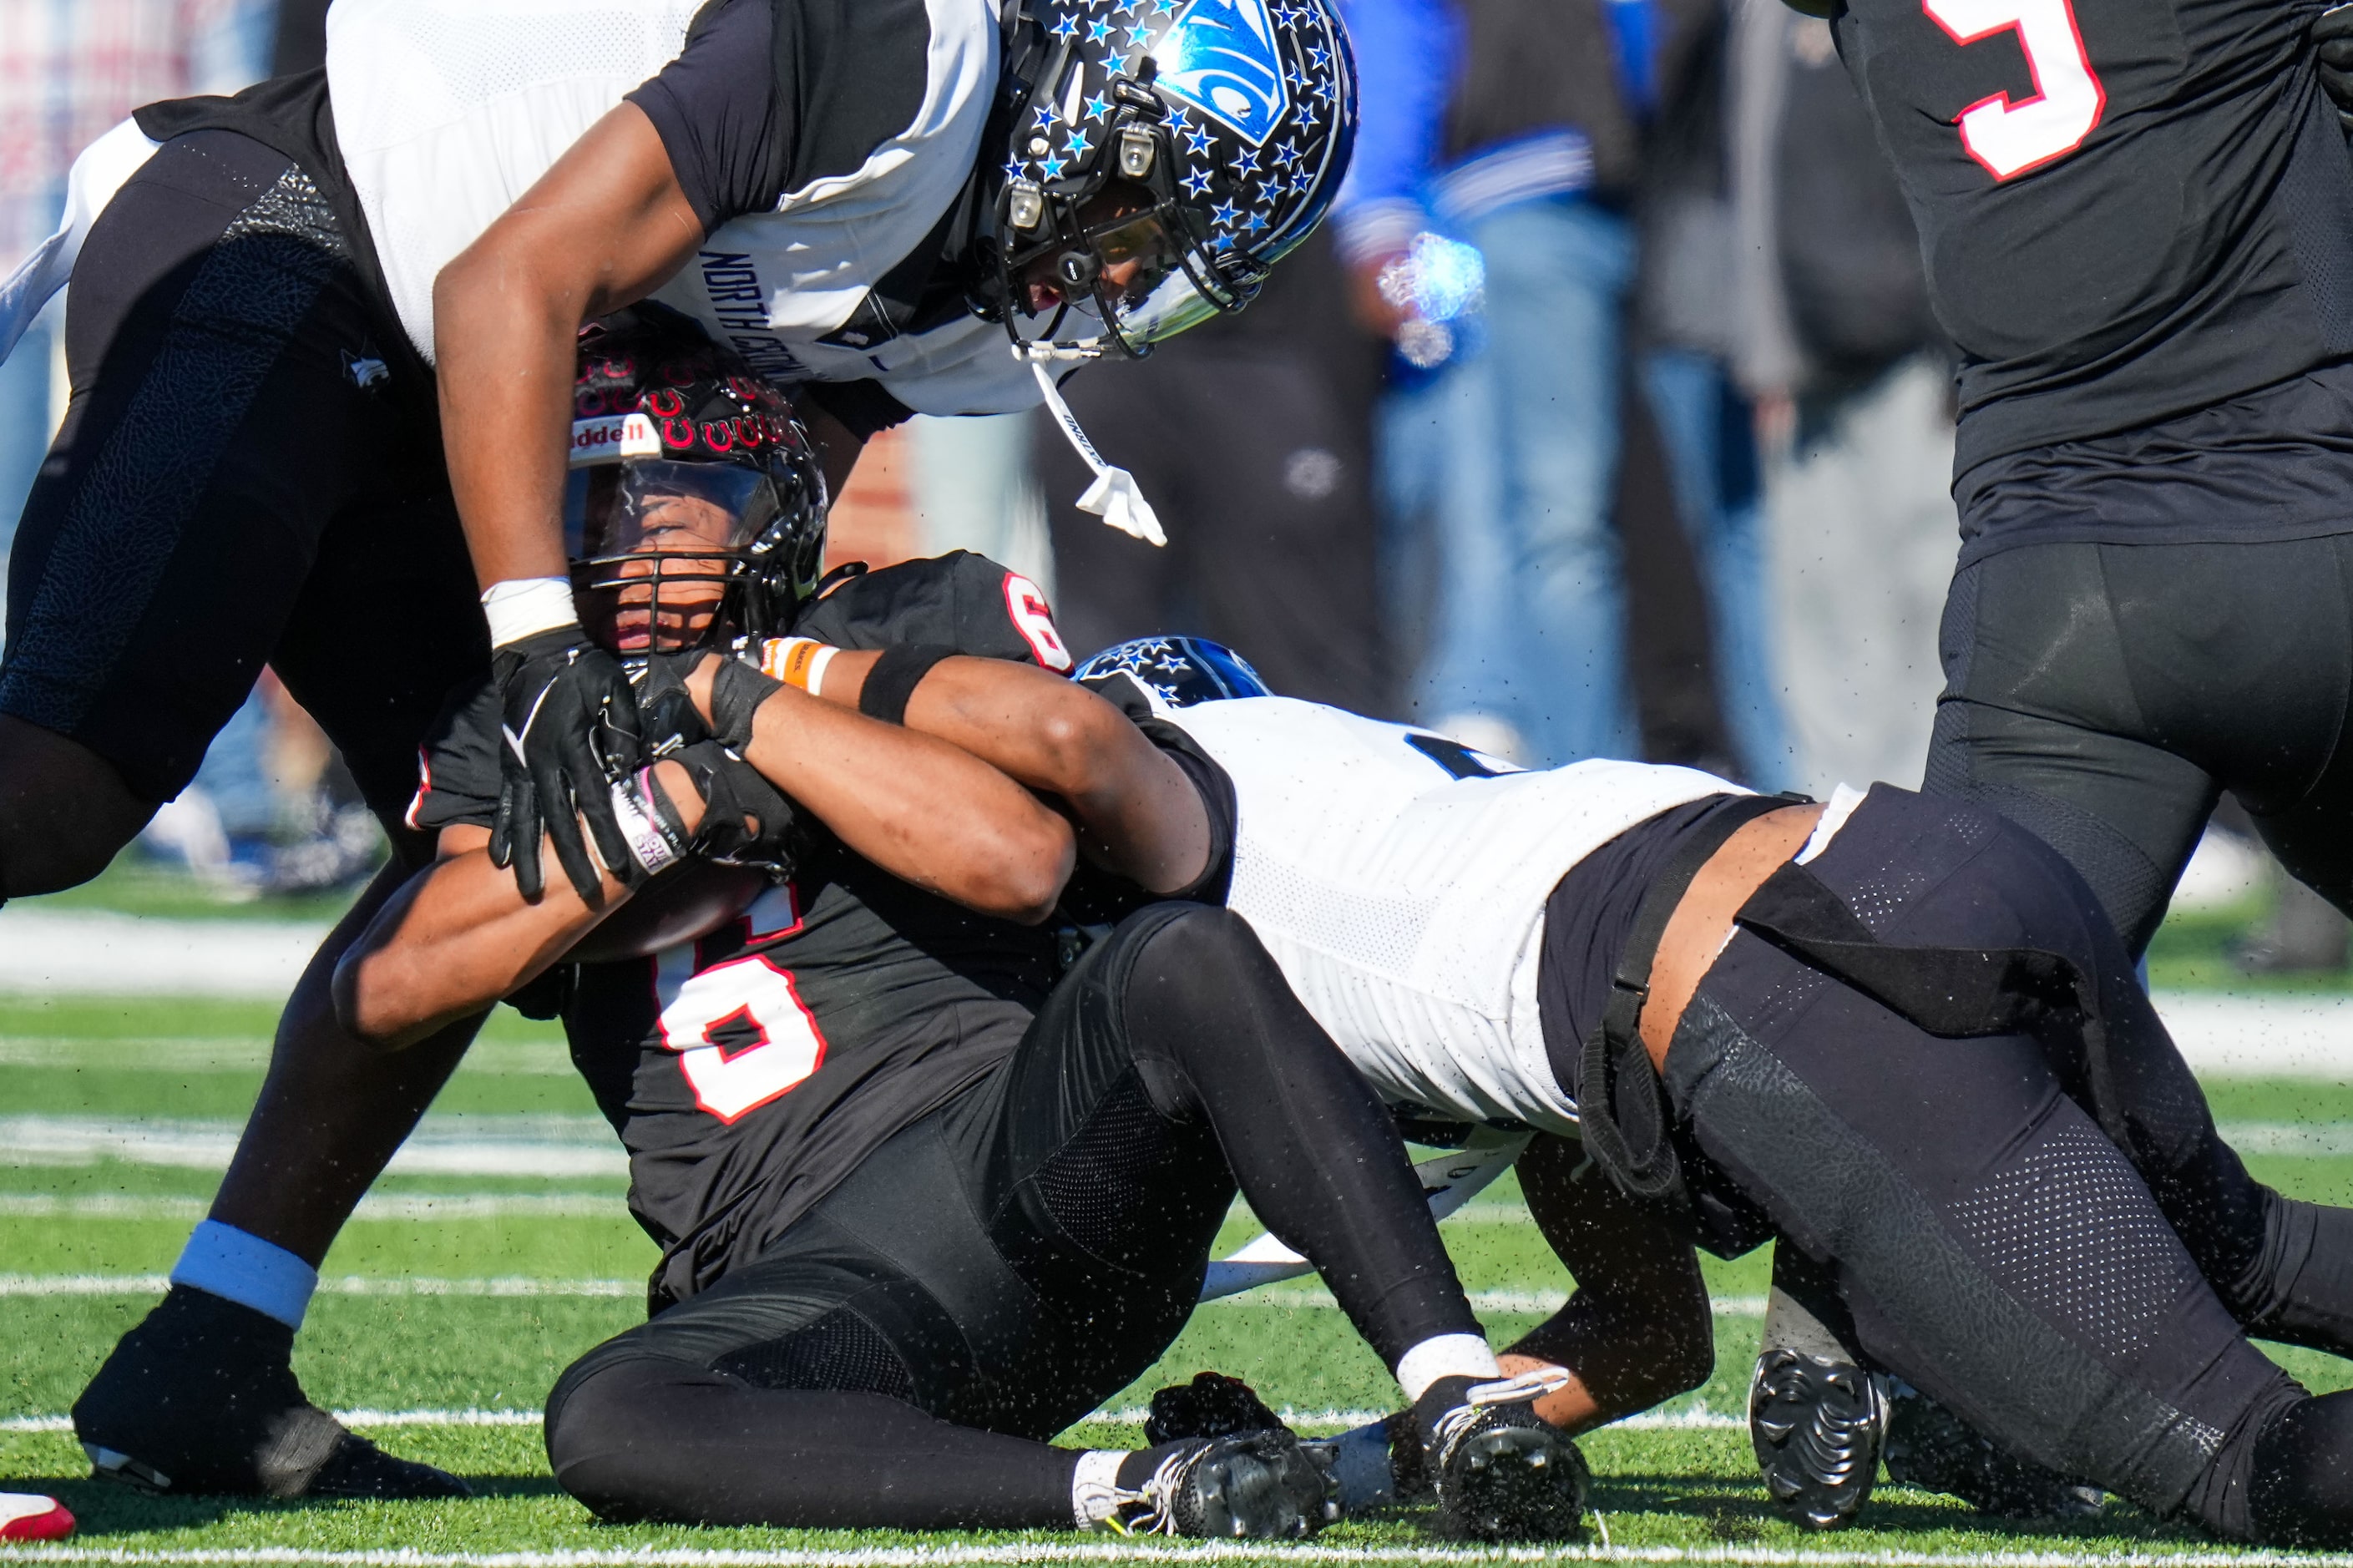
(749, 1072)
(2128, 208)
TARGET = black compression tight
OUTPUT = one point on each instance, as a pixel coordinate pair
(898, 1357)
(646, 1438)
(1220, 1037)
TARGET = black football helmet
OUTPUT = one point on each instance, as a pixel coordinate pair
(1183, 672)
(695, 501)
(1200, 139)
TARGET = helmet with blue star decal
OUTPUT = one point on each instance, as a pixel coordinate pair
(1156, 157)
(1180, 671)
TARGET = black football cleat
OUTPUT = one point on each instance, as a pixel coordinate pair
(1818, 1425)
(1930, 1447)
(1249, 1486)
(1499, 1472)
(201, 1398)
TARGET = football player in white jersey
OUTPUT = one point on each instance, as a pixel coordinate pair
(1893, 1032)
(320, 343)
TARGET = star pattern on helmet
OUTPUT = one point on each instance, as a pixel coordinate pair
(1257, 222)
(1050, 166)
(1098, 106)
(1138, 32)
(1153, 653)
(1199, 143)
(1245, 163)
(1100, 29)
(1081, 144)
(1196, 182)
(1319, 57)
(1225, 215)
(1287, 155)
(1297, 77)
(1015, 170)
(1066, 26)
(1045, 113)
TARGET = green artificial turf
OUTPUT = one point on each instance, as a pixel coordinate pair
(460, 1374)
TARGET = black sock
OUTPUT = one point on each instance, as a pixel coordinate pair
(1137, 1468)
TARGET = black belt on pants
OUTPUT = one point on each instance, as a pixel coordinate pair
(1952, 992)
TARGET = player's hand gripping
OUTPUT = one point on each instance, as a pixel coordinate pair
(570, 723)
(2332, 36)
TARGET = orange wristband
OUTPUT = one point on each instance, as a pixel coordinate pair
(797, 661)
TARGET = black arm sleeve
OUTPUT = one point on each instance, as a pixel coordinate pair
(715, 108)
(1094, 896)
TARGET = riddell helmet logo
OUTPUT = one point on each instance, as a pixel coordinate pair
(615, 438)
(1219, 56)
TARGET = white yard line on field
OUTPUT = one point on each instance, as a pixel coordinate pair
(451, 1144)
(346, 1285)
(1015, 1553)
(404, 1285)
(1689, 1418)
(376, 1206)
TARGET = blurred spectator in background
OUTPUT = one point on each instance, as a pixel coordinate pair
(1489, 222)
(1252, 437)
(69, 70)
(1840, 349)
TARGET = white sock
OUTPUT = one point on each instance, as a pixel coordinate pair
(1444, 1355)
(236, 1266)
(1094, 1490)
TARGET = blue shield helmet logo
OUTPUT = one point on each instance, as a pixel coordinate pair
(1219, 56)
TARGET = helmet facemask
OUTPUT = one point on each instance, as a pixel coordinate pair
(659, 549)
(695, 507)
(1131, 262)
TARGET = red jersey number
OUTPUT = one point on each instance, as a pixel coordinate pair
(2009, 139)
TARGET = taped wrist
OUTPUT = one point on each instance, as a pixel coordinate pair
(736, 692)
(797, 662)
(657, 837)
(892, 680)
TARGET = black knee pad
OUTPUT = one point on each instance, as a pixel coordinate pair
(604, 1403)
(2300, 1492)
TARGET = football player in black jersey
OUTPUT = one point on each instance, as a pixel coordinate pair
(2053, 1251)
(307, 431)
(2133, 216)
(921, 1204)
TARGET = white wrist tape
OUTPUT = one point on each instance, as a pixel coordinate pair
(525, 606)
(640, 823)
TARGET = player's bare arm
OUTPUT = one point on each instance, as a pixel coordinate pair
(1639, 1329)
(458, 936)
(601, 229)
(928, 812)
(1136, 813)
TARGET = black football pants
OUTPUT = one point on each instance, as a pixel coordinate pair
(1993, 1246)
(2105, 695)
(1003, 1266)
(249, 472)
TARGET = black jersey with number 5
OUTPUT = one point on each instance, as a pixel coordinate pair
(749, 1072)
(2128, 208)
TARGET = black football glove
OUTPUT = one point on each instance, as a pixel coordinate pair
(1211, 1405)
(667, 716)
(736, 692)
(2332, 36)
(570, 725)
(745, 822)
